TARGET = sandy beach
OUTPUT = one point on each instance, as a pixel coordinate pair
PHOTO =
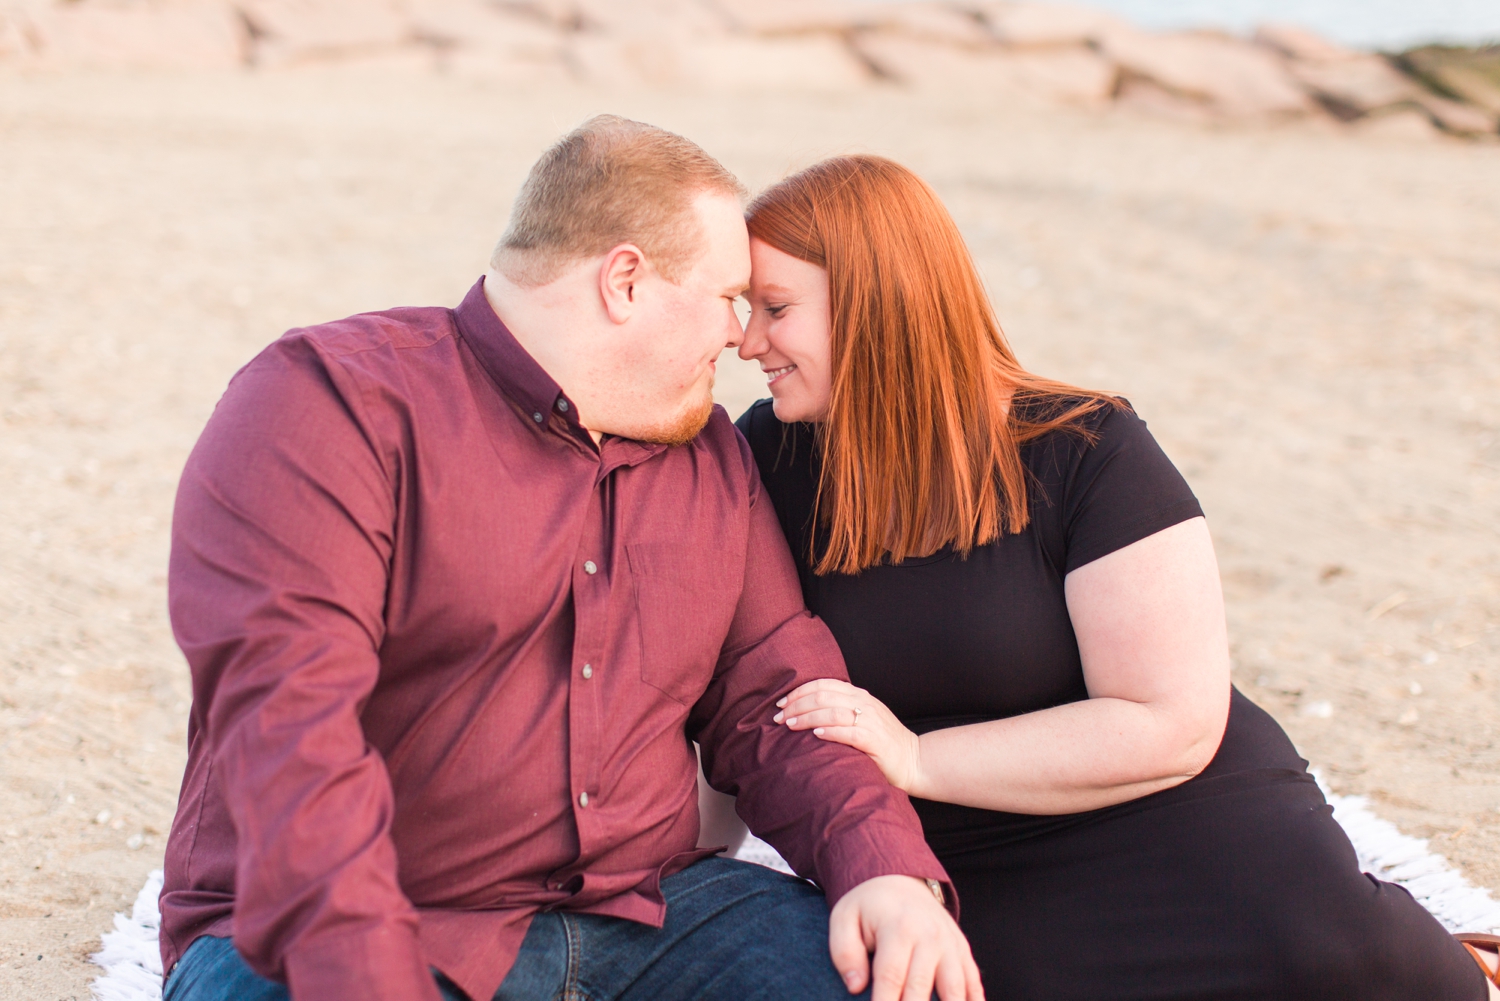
(1308, 315)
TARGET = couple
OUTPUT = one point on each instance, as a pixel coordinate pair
(460, 588)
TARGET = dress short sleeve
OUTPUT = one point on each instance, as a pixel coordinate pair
(1122, 489)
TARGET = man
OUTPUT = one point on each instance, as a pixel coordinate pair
(458, 587)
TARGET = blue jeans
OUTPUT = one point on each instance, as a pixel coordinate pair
(735, 931)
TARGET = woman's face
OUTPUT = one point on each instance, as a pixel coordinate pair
(788, 332)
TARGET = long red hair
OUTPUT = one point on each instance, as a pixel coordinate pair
(921, 444)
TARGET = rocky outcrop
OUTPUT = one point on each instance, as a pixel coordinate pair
(1053, 52)
(124, 34)
(1458, 90)
(1468, 75)
(301, 31)
(1225, 74)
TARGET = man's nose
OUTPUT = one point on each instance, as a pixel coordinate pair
(736, 332)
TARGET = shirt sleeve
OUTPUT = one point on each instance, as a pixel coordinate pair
(1122, 489)
(280, 544)
(825, 807)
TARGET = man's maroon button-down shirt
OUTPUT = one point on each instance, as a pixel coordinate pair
(447, 656)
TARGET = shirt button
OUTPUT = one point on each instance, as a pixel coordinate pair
(583, 799)
(537, 417)
(562, 405)
(588, 567)
(588, 671)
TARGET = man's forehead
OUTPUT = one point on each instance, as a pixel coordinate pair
(724, 267)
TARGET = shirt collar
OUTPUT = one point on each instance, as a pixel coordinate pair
(510, 366)
(519, 376)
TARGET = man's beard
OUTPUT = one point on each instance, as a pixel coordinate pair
(684, 427)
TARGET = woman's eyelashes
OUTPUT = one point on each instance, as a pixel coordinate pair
(776, 311)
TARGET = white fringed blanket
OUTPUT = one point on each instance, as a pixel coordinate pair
(132, 963)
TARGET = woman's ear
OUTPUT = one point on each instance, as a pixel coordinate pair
(622, 270)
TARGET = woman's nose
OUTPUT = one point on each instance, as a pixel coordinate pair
(754, 345)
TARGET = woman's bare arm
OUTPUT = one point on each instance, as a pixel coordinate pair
(1150, 625)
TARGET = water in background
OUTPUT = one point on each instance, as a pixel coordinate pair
(1365, 24)
(1389, 25)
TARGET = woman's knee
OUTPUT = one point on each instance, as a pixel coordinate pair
(1377, 944)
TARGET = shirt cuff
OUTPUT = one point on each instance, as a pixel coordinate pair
(887, 850)
(370, 965)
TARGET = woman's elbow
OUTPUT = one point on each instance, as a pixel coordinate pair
(1200, 741)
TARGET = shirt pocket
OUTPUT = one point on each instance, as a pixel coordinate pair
(684, 603)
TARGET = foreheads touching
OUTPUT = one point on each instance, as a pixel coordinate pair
(618, 273)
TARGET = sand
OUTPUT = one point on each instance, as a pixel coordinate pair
(1309, 317)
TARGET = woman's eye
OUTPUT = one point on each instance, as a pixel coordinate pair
(775, 311)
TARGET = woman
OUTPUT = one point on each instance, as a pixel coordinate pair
(1026, 594)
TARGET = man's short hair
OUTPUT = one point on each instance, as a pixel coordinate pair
(611, 181)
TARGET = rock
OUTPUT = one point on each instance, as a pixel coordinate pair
(299, 31)
(924, 19)
(559, 15)
(1298, 43)
(1406, 124)
(19, 35)
(1238, 79)
(1148, 97)
(933, 22)
(99, 34)
(723, 63)
(1357, 86)
(1047, 24)
(1470, 84)
(1074, 75)
(1460, 119)
(647, 18)
(479, 39)
(474, 38)
(1353, 84)
(1470, 74)
(797, 17)
(1071, 75)
(932, 66)
(812, 63)
(475, 23)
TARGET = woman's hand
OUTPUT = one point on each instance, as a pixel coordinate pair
(828, 708)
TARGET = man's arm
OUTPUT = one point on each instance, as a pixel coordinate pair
(280, 545)
(832, 816)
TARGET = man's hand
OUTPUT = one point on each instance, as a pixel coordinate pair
(917, 944)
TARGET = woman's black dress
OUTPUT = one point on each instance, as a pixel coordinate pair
(1236, 884)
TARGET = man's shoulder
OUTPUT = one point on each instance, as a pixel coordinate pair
(404, 327)
(722, 442)
(392, 347)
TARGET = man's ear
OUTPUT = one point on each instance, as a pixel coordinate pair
(621, 272)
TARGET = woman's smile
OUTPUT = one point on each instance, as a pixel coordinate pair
(774, 375)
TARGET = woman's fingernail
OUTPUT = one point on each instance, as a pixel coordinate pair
(851, 978)
(781, 703)
(777, 718)
(818, 731)
(792, 721)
